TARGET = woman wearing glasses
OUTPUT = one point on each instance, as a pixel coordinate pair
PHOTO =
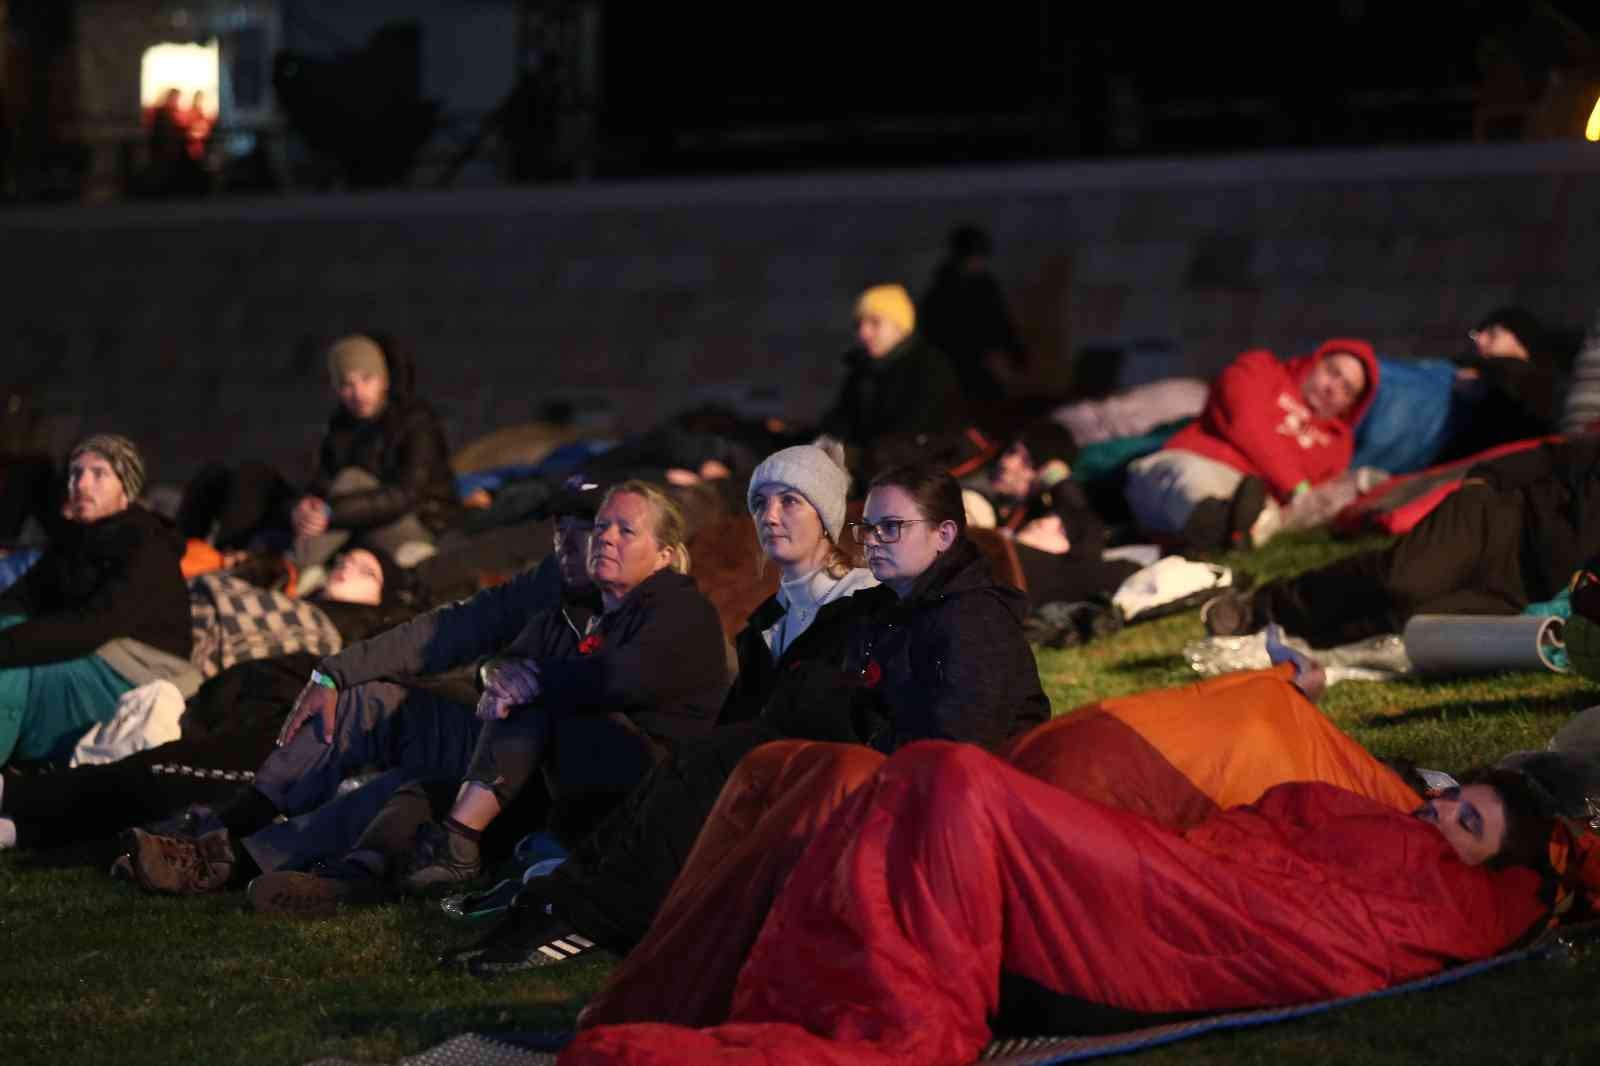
(935, 651)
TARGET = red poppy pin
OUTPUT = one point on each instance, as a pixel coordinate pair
(590, 644)
(871, 674)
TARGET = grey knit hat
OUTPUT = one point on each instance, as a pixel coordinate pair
(815, 473)
(121, 453)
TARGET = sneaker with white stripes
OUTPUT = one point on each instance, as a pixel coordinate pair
(531, 937)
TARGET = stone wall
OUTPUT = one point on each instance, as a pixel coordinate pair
(199, 327)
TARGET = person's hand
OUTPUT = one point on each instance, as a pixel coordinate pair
(677, 475)
(314, 700)
(1468, 373)
(1045, 534)
(310, 517)
(492, 705)
(514, 680)
(714, 470)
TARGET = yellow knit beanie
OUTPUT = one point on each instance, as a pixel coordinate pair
(356, 352)
(890, 302)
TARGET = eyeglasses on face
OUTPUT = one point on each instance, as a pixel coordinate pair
(887, 531)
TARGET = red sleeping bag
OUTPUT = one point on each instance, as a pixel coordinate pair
(887, 942)
(1397, 505)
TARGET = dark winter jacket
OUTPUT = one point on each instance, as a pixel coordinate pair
(948, 662)
(96, 582)
(896, 409)
(1560, 487)
(404, 448)
(1512, 399)
(814, 662)
(659, 657)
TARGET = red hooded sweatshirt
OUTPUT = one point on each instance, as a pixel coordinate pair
(1256, 419)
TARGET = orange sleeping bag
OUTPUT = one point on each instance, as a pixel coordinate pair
(1175, 755)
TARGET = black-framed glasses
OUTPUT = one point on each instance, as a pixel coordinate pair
(887, 531)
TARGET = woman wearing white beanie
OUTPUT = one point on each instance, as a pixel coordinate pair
(790, 662)
(797, 499)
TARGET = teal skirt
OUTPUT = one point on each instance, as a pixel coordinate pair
(45, 709)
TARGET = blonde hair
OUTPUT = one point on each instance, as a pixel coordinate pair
(669, 527)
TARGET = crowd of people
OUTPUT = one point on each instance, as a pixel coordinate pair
(855, 828)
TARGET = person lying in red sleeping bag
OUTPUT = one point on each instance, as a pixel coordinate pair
(952, 889)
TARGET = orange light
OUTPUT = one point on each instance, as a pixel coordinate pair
(1592, 131)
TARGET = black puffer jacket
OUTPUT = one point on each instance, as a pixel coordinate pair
(948, 662)
(822, 650)
(404, 448)
(119, 577)
(659, 657)
(902, 408)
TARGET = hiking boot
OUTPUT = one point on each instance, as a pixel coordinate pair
(1228, 614)
(181, 866)
(1244, 511)
(316, 892)
(532, 936)
(440, 860)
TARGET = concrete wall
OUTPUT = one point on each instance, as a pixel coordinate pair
(199, 327)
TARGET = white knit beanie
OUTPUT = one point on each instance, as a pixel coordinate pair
(813, 472)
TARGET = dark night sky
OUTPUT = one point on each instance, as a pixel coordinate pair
(1052, 80)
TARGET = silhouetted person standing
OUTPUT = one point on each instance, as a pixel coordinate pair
(964, 315)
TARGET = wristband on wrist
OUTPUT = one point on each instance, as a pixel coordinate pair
(320, 678)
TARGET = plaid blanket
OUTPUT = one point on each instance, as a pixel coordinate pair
(234, 621)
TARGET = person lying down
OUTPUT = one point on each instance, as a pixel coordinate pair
(953, 895)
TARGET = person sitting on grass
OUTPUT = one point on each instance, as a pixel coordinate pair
(797, 498)
(1269, 432)
(610, 687)
(229, 725)
(900, 400)
(102, 611)
(383, 474)
(937, 652)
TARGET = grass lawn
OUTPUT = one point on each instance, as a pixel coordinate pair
(94, 972)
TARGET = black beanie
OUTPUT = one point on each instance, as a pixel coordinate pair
(1047, 439)
(1519, 321)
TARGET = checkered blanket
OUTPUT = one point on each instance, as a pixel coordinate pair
(234, 621)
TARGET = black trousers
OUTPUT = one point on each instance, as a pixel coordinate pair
(1463, 558)
(612, 886)
(229, 728)
(59, 806)
(563, 770)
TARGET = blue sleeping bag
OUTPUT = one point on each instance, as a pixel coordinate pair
(1412, 417)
